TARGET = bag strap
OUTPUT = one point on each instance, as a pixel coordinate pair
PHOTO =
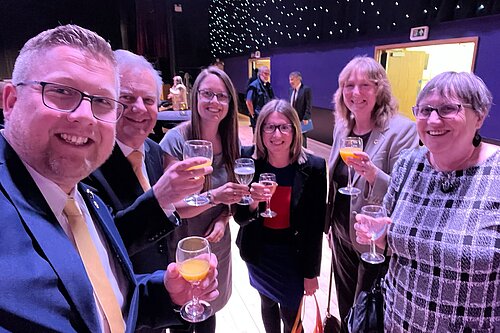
(297, 325)
(328, 314)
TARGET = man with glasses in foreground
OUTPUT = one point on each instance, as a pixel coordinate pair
(63, 265)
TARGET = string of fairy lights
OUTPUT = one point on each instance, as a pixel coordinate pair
(243, 26)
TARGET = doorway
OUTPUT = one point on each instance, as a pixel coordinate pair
(255, 63)
(410, 66)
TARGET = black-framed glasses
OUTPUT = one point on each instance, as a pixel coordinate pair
(283, 128)
(208, 95)
(67, 99)
(444, 110)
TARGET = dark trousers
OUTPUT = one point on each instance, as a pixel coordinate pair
(273, 313)
(304, 140)
(352, 275)
(206, 326)
(253, 121)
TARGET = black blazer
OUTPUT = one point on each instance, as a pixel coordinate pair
(139, 218)
(303, 102)
(308, 205)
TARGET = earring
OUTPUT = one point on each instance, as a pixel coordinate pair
(477, 139)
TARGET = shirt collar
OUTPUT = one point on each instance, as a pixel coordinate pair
(126, 150)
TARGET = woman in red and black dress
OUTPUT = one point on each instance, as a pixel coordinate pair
(283, 253)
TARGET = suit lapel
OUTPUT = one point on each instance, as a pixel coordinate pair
(103, 219)
(298, 185)
(120, 176)
(48, 235)
(154, 165)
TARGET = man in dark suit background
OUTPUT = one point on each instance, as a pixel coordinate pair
(63, 265)
(301, 100)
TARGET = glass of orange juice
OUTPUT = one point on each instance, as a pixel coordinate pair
(350, 145)
(198, 148)
(192, 258)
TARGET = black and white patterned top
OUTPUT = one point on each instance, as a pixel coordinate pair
(444, 275)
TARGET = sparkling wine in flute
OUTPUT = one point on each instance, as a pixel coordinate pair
(269, 181)
(192, 258)
(244, 170)
(197, 148)
(244, 175)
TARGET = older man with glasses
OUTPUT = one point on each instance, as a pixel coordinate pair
(64, 267)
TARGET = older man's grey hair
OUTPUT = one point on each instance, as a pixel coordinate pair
(127, 59)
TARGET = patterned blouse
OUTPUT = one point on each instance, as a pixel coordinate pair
(444, 275)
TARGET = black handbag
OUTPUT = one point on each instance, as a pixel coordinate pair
(367, 314)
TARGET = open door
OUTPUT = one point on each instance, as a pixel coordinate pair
(410, 66)
(255, 63)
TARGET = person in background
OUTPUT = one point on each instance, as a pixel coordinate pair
(365, 108)
(259, 92)
(64, 267)
(178, 95)
(213, 118)
(133, 181)
(444, 227)
(301, 100)
(218, 63)
(283, 253)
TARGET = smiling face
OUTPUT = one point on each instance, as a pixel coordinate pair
(138, 92)
(63, 147)
(277, 143)
(359, 94)
(443, 136)
(212, 110)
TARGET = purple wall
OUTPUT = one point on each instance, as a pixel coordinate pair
(321, 64)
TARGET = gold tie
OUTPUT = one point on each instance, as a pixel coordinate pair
(135, 159)
(93, 266)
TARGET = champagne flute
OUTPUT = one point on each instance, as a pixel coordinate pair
(350, 145)
(269, 181)
(192, 257)
(198, 148)
(244, 169)
(376, 229)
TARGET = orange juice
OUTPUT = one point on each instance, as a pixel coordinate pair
(207, 163)
(348, 152)
(194, 269)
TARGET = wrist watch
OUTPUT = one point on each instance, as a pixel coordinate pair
(210, 197)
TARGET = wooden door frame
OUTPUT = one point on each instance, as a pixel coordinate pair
(475, 39)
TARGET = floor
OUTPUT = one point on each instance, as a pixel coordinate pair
(242, 313)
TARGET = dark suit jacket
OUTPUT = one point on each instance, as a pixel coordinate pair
(139, 218)
(307, 213)
(303, 102)
(43, 284)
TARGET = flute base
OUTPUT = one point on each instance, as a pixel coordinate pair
(196, 313)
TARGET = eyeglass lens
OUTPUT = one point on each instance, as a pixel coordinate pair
(67, 99)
